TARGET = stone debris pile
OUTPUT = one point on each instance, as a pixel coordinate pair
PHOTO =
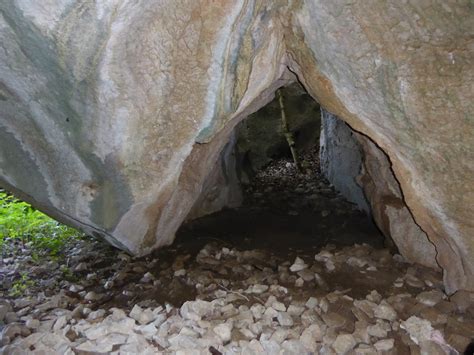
(354, 300)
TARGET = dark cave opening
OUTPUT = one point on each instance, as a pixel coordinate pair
(284, 207)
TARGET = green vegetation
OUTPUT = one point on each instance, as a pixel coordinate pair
(21, 223)
(21, 285)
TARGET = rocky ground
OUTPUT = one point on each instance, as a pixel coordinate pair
(248, 291)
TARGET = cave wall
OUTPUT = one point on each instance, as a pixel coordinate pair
(341, 159)
(388, 206)
(402, 74)
(362, 173)
(222, 186)
(113, 114)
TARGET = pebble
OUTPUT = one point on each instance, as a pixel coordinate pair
(298, 265)
(278, 306)
(312, 303)
(418, 329)
(80, 267)
(385, 311)
(344, 343)
(285, 319)
(142, 316)
(92, 296)
(250, 312)
(223, 331)
(32, 323)
(430, 298)
(384, 345)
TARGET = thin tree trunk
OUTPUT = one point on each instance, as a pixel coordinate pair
(286, 131)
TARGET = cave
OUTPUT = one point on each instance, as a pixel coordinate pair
(265, 195)
(144, 125)
(343, 162)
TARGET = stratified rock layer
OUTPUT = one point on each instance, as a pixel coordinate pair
(114, 113)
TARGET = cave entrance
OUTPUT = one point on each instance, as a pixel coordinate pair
(282, 206)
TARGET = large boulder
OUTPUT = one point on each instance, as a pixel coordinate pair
(114, 114)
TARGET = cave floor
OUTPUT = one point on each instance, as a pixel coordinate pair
(295, 270)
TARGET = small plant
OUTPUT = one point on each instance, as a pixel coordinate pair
(19, 221)
(20, 286)
(68, 274)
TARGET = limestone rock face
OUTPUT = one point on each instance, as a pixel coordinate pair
(402, 74)
(105, 107)
(113, 114)
(341, 159)
(388, 208)
(361, 172)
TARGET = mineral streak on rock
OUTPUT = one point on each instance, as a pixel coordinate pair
(113, 114)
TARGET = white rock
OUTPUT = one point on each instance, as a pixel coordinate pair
(279, 306)
(76, 288)
(270, 313)
(294, 346)
(80, 267)
(270, 300)
(271, 346)
(298, 265)
(137, 344)
(92, 296)
(254, 348)
(195, 310)
(179, 342)
(257, 310)
(104, 344)
(160, 318)
(224, 331)
(60, 323)
(312, 303)
(311, 336)
(96, 314)
(374, 296)
(179, 273)
(418, 329)
(365, 349)
(356, 262)
(148, 331)
(48, 343)
(430, 298)
(278, 336)
(376, 331)
(294, 310)
(306, 275)
(148, 277)
(384, 345)
(344, 343)
(285, 319)
(32, 323)
(385, 311)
